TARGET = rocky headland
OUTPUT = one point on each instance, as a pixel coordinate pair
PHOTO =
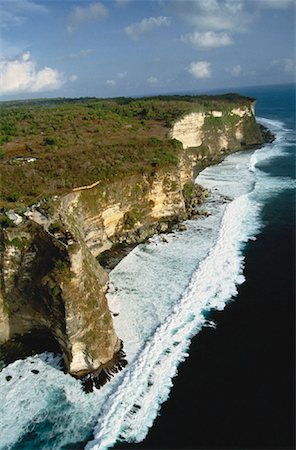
(53, 283)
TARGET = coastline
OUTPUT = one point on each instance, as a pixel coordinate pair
(240, 375)
(110, 258)
(90, 413)
(21, 347)
(84, 224)
(208, 257)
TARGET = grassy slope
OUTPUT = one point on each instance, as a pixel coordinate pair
(79, 141)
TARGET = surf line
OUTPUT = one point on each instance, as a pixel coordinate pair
(131, 410)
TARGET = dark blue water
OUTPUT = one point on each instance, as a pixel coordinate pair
(274, 102)
(236, 390)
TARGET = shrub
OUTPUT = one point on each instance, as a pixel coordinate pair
(132, 217)
(4, 139)
(5, 222)
(122, 137)
(188, 190)
(9, 129)
(57, 227)
(16, 242)
(49, 141)
(56, 290)
(13, 197)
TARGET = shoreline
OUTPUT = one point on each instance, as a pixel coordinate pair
(24, 346)
(251, 380)
(255, 364)
(110, 258)
(213, 281)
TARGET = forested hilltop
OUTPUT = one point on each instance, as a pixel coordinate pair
(49, 146)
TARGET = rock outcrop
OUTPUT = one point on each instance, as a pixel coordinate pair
(51, 279)
(215, 131)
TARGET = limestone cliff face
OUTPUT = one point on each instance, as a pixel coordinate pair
(30, 294)
(215, 131)
(51, 278)
(50, 285)
(89, 326)
(109, 214)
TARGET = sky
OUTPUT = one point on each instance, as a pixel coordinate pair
(109, 48)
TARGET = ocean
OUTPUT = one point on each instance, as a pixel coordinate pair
(207, 319)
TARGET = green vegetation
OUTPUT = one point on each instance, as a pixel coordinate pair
(50, 146)
(56, 290)
(253, 132)
(5, 222)
(17, 242)
(229, 120)
(134, 216)
(57, 227)
(202, 150)
(188, 190)
(172, 185)
(211, 121)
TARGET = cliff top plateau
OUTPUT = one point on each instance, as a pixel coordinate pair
(50, 146)
(84, 177)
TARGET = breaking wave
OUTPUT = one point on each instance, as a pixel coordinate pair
(162, 292)
(235, 207)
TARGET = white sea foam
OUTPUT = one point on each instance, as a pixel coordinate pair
(133, 407)
(161, 291)
(29, 399)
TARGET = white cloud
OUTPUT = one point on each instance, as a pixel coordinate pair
(152, 80)
(234, 6)
(236, 70)
(73, 78)
(200, 69)
(20, 75)
(208, 5)
(286, 64)
(213, 15)
(116, 79)
(26, 56)
(208, 39)
(28, 6)
(121, 74)
(86, 52)
(136, 30)
(80, 15)
(15, 12)
(111, 83)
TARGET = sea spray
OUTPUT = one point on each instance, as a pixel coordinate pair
(162, 292)
(148, 381)
(213, 284)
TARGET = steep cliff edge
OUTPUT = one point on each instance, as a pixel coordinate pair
(218, 132)
(51, 279)
(50, 285)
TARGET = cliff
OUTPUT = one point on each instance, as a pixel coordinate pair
(51, 279)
